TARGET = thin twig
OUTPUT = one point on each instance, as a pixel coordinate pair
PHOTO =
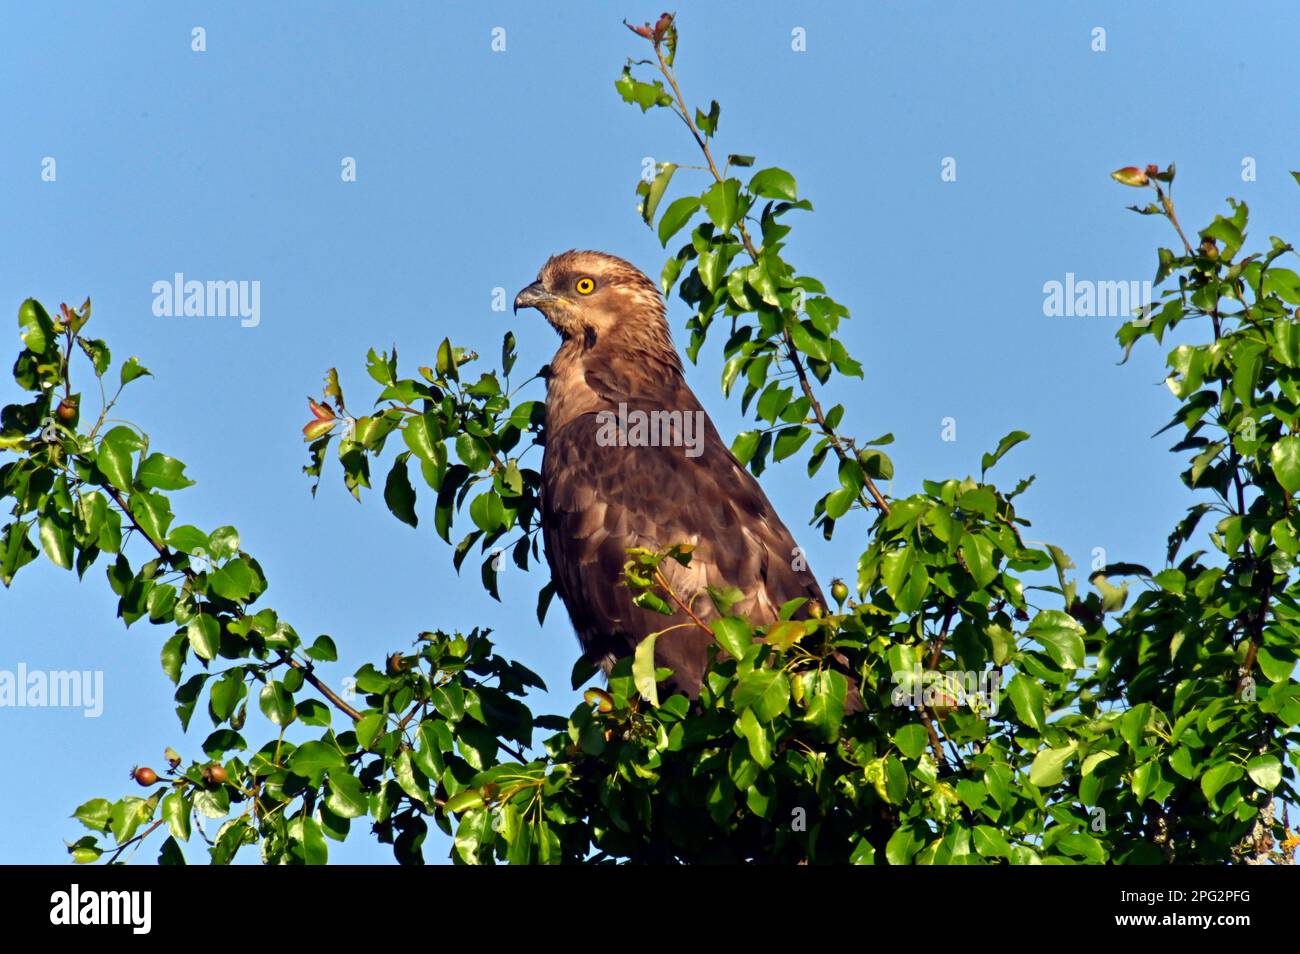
(876, 497)
(663, 581)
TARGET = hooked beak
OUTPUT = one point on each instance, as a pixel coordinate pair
(534, 296)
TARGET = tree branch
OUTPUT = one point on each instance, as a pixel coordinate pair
(168, 555)
(876, 499)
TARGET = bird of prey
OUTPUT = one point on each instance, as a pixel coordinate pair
(632, 460)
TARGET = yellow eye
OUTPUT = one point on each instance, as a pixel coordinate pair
(585, 286)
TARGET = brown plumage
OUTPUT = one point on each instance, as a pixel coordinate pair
(602, 496)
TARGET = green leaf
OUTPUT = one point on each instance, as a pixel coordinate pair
(824, 693)
(161, 602)
(1213, 781)
(421, 436)
(152, 512)
(187, 539)
(1083, 845)
(789, 440)
(745, 444)
(733, 634)
(369, 727)
(226, 694)
(399, 494)
(990, 843)
(133, 369)
(223, 543)
(488, 512)
(306, 831)
(1004, 445)
(98, 353)
(173, 655)
(128, 815)
(645, 95)
(773, 183)
(34, 326)
(654, 191)
(313, 712)
(1265, 771)
(473, 452)
(204, 634)
(1048, 767)
(1285, 459)
(235, 581)
(114, 456)
(753, 732)
(903, 844)
(810, 340)
(1286, 347)
(94, 814)
(1227, 232)
(446, 361)
(1172, 581)
(346, 798)
(176, 812)
(469, 799)
(863, 853)
(1061, 635)
(323, 650)
(163, 473)
(713, 264)
(676, 216)
(1188, 364)
(708, 123)
(1027, 698)
(876, 464)
(911, 740)
(276, 703)
(544, 597)
(766, 691)
(723, 204)
(839, 501)
(16, 550)
(312, 759)
(643, 670)
(1284, 283)
(56, 538)
(977, 551)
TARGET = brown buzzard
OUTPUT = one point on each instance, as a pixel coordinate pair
(633, 460)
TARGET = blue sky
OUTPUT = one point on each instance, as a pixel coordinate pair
(474, 165)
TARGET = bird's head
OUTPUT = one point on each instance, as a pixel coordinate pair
(590, 295)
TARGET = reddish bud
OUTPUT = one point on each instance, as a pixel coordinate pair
(322, 423)
(317, 429)
(640, 30)
(1130, 176)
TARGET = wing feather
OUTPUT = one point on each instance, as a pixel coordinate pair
(600, 501)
